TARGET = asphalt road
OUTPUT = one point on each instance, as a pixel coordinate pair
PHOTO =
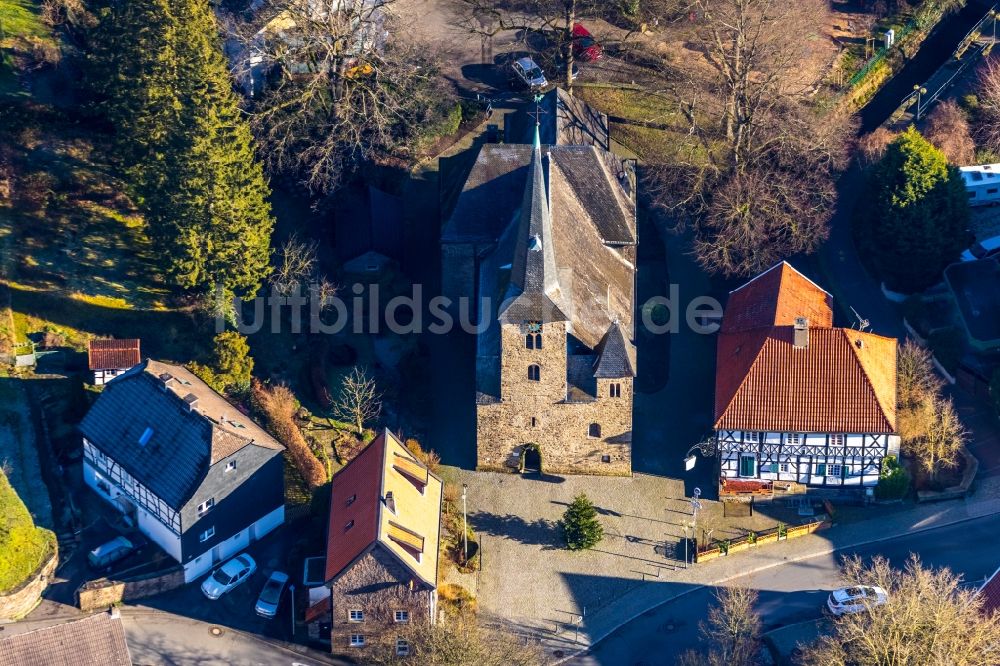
(160, 639)
(793, 592)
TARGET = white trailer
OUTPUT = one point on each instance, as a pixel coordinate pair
(982, 182)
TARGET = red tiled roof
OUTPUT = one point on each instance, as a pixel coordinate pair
(775, 298)
(843, 381)
(362, 480)
(109, 354)
(990, 593)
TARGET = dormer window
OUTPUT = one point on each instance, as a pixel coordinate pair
(231, 466)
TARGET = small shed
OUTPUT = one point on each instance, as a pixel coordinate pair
(109, 357)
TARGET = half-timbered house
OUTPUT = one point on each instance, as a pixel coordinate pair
(192, 472)
(796, 398)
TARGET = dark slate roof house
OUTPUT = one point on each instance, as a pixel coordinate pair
(198, 476)
(92, 641)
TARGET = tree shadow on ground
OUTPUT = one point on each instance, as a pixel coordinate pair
(540, 532)
(599, 509)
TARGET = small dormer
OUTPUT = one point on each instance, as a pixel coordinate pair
(411, 470)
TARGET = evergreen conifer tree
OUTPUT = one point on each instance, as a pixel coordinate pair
(185, 144)
(581, 528)
(919, 214)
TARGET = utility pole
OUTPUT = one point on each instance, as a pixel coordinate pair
(291, 589)
(465, 526)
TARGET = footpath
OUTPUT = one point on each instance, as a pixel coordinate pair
(574, 640)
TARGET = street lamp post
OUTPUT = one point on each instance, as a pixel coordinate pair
(993, 15)
(465, 526)
(919, 90)
(695, 506)
(291, 589)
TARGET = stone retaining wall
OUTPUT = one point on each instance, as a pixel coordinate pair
(103, 592)
(19, 603)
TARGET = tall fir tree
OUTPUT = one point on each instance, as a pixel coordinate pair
(918, 220)
(185, 144)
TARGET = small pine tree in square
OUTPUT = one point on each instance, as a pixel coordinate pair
(580, 526)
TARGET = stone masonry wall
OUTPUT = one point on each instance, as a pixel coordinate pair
(560, 429)
(103, 592)
(19, 603)
(378, 585)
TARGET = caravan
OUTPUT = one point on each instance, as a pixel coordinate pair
(982, 183)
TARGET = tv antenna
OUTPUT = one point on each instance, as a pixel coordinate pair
(862, 322)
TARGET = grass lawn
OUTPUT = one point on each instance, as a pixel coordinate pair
(20, 24)
(650, 143)
(23, 547)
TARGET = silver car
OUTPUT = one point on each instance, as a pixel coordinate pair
(526, 73)
(270, 596)
(228, 576)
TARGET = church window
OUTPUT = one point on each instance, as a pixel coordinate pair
(534, 373)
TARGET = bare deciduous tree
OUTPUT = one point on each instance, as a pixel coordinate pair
(457, 641)
(339, 86)
(757, 181)
(916, 380)
(360, 400)
(948, 129)
(930, 620)
(987, 129)
(732, 631)
(940, 443)
(872, 146)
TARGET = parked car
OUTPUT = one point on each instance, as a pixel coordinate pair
(855, 599)
(115, 550)
(986, 249)
(524, 72)
(270, 595)
(228, 576)
(585, 47)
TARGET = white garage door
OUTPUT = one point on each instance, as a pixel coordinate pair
(234, 544)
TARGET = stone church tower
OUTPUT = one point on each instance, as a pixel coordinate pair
(560, 403)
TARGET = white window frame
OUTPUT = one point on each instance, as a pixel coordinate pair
(793, 438)
(355, 615)
(835, 470)
(402, 616)
(207, 534)
(837, 439)
(402, 647)
(783, 468)
(357, 640)
(751, 436)
(206, 506)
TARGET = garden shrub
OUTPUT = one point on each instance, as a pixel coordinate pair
(580, 526)
(894, 481)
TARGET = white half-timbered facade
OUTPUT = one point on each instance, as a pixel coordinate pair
(188, 469)
(798, 399)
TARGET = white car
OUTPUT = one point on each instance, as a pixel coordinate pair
(984, 250)
(525, 72)
(855, 599)
(228, 576)
(270, 595)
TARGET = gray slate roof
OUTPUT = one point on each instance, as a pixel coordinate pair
(98, 640)
(184, 443)
(615, 355)
(494, 190)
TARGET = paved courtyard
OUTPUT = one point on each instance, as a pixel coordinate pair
(528, 576)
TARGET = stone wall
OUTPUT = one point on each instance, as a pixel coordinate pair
(19, 603)
(103, 592)
(537, 412)
(378, 585)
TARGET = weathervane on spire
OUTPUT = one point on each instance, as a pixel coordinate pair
(537, 113)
